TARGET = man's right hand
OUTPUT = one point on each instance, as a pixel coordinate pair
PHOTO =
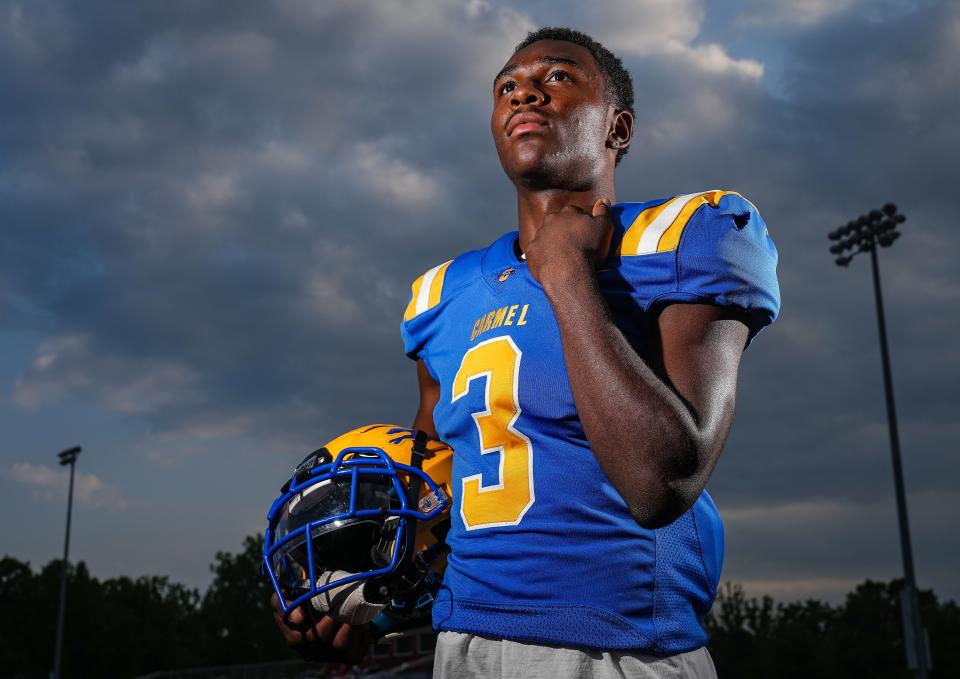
(323, 639)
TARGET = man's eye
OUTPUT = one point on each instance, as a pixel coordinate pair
(509, 83)
(560, 75)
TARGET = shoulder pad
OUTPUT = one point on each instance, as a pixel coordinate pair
(426, 291)
(658, 228)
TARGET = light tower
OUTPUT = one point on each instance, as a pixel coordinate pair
(878, 228)
(67, 457)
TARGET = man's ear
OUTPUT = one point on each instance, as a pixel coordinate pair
(621, 133)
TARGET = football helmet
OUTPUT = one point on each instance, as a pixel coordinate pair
(369, 507)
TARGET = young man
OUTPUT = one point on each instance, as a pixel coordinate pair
(584, 370)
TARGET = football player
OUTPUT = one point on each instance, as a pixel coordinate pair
(584, 368)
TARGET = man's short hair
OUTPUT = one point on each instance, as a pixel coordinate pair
(618, 85)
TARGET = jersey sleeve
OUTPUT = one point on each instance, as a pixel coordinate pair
(711, 247)
(420, 317)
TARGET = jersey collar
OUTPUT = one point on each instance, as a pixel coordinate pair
(500, 255)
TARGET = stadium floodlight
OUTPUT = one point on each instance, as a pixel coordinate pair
(877, 227)
(67, 457)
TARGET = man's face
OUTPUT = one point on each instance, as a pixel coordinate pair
(550, 119)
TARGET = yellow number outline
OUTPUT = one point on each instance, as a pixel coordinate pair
(506, 502)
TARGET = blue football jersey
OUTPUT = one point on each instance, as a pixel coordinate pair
(544, 549)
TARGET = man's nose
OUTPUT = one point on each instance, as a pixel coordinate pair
(527, 94)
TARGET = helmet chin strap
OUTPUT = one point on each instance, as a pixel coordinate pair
(387, 586)
(416, 461)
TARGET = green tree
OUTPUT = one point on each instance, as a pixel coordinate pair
(116, 628)
(863, 637)
(236, 609)
(26, 623)
(124, 627)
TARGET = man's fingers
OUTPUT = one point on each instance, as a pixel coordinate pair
(341, 640)
(601, 207)
(323, 638)
(327, 629)
(278, 615)
(318, 637)
(289, 635)
(297, 616)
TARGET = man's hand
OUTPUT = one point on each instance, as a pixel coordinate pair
(570, 241)
(656, 423)
(323, 639)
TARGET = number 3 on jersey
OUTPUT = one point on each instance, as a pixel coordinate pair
(504, 503)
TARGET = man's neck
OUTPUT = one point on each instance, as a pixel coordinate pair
(533, 206)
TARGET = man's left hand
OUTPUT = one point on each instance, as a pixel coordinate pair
(570, 240)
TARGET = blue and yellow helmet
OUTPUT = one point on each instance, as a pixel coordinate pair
(372, 504)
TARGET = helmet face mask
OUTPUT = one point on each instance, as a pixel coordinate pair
(338, 544)
(367, 514)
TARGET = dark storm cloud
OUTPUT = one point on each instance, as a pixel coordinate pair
(867, 108)
(211, 218)
(242, 198)
(860, 116)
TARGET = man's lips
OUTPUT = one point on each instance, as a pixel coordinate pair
(525, 122)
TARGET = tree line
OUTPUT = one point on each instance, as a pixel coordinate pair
(862, 637)
(125, 627)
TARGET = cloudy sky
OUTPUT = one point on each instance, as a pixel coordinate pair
(210, 214)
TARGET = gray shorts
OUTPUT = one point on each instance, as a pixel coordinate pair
(467, 655)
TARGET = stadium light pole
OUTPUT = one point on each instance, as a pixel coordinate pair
(67, 457)
(878, 228)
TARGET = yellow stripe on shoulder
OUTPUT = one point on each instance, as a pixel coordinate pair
(658, 228)
(426, 291)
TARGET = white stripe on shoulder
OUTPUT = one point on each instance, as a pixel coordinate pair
(651, 235)
(423, 299)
